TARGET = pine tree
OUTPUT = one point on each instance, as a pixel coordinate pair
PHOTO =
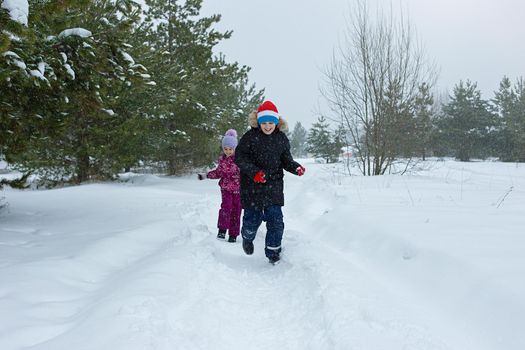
(510, 105)
(467, 123)
(394, 135)
(15, 40)
(423, 115)
(519, 117)
(298, 140)
(321, 142)
(11, 29)
(85, 103)
(198, 95)
(75, 79)
(339, 140)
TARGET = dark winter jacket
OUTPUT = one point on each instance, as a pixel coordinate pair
(269, 153)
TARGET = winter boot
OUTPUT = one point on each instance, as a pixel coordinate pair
(232, 239)
(247, 246)
(221, 234)
(274, 260)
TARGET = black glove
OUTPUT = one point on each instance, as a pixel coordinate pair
(201, 176)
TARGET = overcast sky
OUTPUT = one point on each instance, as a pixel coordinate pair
(287, 43)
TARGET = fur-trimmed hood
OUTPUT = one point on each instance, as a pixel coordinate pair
(252, 121)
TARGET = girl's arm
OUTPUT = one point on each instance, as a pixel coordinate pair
(216, 173)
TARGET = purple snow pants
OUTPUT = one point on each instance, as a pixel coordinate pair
(230, 213)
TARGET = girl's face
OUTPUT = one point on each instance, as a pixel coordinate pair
(228, 151)
(267, 127)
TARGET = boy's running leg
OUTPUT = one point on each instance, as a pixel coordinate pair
(251, 221)
(274, 234)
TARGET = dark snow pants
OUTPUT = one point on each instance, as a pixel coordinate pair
(230, 213)
(273, 216)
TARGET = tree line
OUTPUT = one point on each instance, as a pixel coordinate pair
(379, 89)
(90, 88)
(93, 88)
(461, 125)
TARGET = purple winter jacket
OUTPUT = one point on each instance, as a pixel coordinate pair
(228, 173)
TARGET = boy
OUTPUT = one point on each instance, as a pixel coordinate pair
(262, 154)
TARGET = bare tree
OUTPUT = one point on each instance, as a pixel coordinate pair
(372, 84)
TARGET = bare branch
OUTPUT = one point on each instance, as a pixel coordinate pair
(372, 84)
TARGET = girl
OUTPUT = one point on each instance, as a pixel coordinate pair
(229, 175)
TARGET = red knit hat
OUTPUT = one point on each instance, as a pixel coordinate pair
(267, 112)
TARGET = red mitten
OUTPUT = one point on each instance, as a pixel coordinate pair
(300, 170)
(260, 177)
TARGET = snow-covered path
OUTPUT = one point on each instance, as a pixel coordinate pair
(413, 262)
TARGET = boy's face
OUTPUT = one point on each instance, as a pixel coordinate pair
(228, 151)
(267, 127)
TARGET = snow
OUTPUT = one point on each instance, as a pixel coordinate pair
(81, 32)
(11, 54)
(140, 66)
(432, 260)
(69, 70)
(108, 111)
(127, 57)
(37, 74)
(15, 59)
(42, 67)
(18, 10)
(200, 106)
